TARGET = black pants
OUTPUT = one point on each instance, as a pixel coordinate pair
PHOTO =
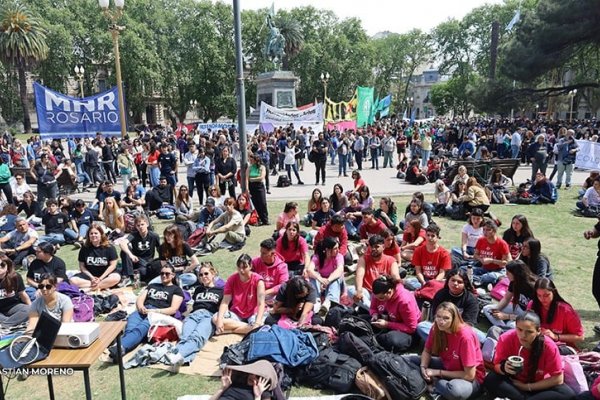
(148, 269)
(394, 341)
(18, 257)
(230, 189)
(320, 164)
(202, 185)
(109, 171)
(501, 386)
(6, 189)
(142, 173)
(596, 281)
(358, 155)
(259, 199)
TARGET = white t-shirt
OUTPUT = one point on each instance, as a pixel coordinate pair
(63, 303)
(592, 196)
(17, 238)
(472, 234)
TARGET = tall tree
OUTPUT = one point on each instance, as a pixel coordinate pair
(22, 45)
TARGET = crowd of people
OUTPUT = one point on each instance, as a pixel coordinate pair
(411, 288)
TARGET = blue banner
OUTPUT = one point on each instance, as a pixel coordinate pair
(62, 116)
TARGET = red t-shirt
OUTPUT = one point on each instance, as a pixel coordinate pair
(497, 250)
(393, 250)
(566, 320)
(374, 269)
(550, 363)
(462, 350)
(368, 230)
(431, 263)
(407, 238)
(244, 297)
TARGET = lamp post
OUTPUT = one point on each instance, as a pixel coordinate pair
(324, 80)
(537, 109)
(409, 101)
(113, 15)
(79, 74)
(193, 105)
(572, 94)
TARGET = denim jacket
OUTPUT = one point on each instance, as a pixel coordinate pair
(290, 347)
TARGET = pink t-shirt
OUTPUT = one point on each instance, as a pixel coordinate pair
(244, 297)
(283, 219)
(293, 252)
(565, 321)
(550, 363)
(462, 350)
(330, 265)
(595, 390)
(497, 250)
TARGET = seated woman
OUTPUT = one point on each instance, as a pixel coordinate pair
(516, 235)
(314, 204)
(338, 199)
(394, 314)
(455, 195)
(321, 216)
(294, 249)
(97, 262)
(353, 216)
(243, 306)
(559, 321)
(289, 214)
(538, 263)
(79, 223)
(176, 252)
(541, 376)
(416, 212)
(326, 273)
(357, 184)
(461, 176)
(514, 303)
(471, 232)
(113, 217)
(14, 301)
(386, 213)
(475, 196)
(451, 360)
(412, 237)
(51, 301)
(32, 209)
(198, 327)
(442, 198)
(497, 185)
(215, 193)
(243, 206)
(459, 291)
(184, 206)
(364, 197)
(391, 247)
(162, 298)
(542, 191)
(414, 175)
(294, 304)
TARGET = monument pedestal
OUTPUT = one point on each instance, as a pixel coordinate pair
(276, 88)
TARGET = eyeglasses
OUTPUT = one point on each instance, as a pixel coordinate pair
(166, 273)
(46, 286)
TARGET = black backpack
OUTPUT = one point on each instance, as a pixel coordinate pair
(355, 347)
(402, 379)
(330, 370)
(283, 181)
(360, 328)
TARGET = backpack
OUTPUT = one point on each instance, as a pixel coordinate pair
(186, 228)
(83, 304)
(283, 181)
(330, 370)
(360, 328)
(165, 213)
(355, 347)
(129, 219)
(196, 237)
(369, 384)
(402, 379)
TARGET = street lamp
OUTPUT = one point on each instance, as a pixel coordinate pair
(113, 16)
(572, 94)
(324, 80)
(409, 101)
(193, 105)
(79, 74)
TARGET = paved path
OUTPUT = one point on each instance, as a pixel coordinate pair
(381, 182)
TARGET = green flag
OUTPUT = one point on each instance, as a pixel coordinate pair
(363, 108)
(374, 110)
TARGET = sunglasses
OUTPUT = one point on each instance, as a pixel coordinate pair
(46, 286)
(204, 273)
(166, 273)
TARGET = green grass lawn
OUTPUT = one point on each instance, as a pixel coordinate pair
(572, 259)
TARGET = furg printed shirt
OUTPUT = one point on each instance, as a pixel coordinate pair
(161, 296)
(97, 259)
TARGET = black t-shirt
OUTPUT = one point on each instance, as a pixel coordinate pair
(97, 259)
(33, 209)
(311, 297)
(54, 223)
(55, 266)
(226, 166)
(161, 296)
(321, 147)
(524, 297)
(84, 218)
(207, 298)
(167, 163)
(178, 261)
(144, 247)
(323, 217)
(235, 392)
(466, 303)
(103, 195)
(9, 300)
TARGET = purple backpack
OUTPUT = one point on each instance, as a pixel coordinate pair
(83, 304)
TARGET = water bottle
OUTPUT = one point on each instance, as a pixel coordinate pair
(425, 310)
(470, 272)
(136, 280)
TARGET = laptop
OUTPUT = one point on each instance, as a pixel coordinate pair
(26, 350)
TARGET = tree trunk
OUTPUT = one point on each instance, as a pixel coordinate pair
(24, 101)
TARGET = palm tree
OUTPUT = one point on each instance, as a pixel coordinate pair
(22, 45)
(294, 39)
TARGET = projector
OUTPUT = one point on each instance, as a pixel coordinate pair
(76, 335)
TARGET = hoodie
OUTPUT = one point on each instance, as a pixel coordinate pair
(401, 308)
(326, 230)
(273, 275)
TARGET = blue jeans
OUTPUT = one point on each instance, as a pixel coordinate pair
(351, 229)
(509, 309)
(136, 331)
(514, 150)
(388, 157)
(412, 284)
(154, 176)
(375, 158)
(342, 164)
(185, 280)
(333, 292)
(197, 329)
(423, 329)
(453, 389)
(191, 180)
(366, 300)
(71, 234)
(486, 277)
(425, 157)
(53, 238)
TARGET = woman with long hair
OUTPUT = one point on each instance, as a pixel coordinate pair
(338, 199)
(452, 359)
(97, 262)
(387, 213)
(51, 301)
(326, 272)
(202, 178)
(244, 207)
(289, 214)
(514, 302)
(184, 206)
(164, 297)
(293, 248)
(559, 321)
(540, 375)
(225, 169)
(538, 263)
(152, 163)
(470, 234)
(215, 193)
(176, 252)
(113, 216)
(516, 234)
(314, 204)
(412, 237)
(456, 193)
(442, 198)
(364, 197)
(14, 303)
(394, 314)
(137, 150)
(497, 184)
(31, 208)
(294, 304)
(321, 216)
(197, 326)
(256, 176)
(416, 212)
(474, 196)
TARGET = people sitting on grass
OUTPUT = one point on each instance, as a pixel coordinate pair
(176, 252)
(416, 212)
(474, 196)
(542, 190)
(227, 230)
(138, 251)
(19, 243)
(289, 214)
(431, 261)
(538, 263)
(45, 263)
(14, 302)
(335, 229)
(294, 249)
(338, 199)
(412, 237)
(492, 253)
(518, 232)
(471, 232)
(56, 304)
(370, 225)
(55, 224)
(294, 304)
(326, 273)
(353, 216)
(209, 213)
(590, 198)
(97, 262)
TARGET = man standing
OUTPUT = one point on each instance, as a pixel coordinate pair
(359, 147)
(189, 159)
(566, 150)
(515, 143)
(167, 162)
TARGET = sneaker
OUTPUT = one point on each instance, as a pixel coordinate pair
(112, 353)
(77, 245)
(175, 360)
(324, 308)
(126, 281)
(300, 183)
